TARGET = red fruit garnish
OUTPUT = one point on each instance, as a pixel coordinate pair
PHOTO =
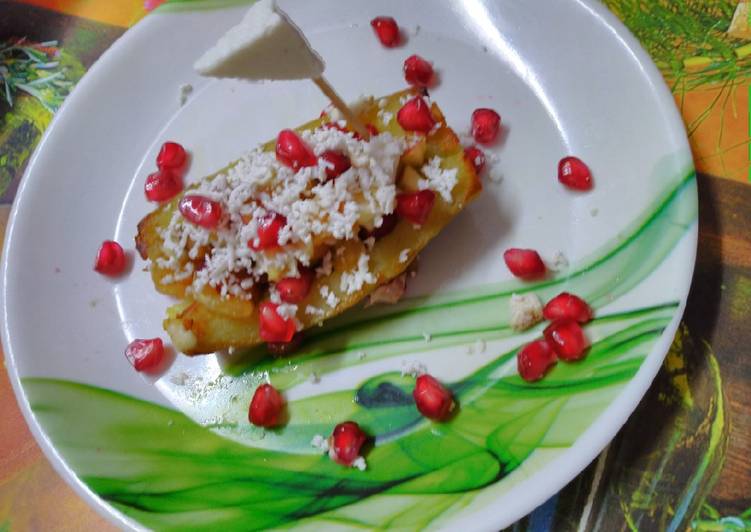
(266, 406)
(534, 360)
(415, 115)
(432, 398)
(567, 339)
(295, 289)
(172, 157)
(415, 206)
(524, 263)
(110, 259)
(273, 327)
(346, 441)
(145, 354)
(387, 30)
(293, 152)
(201, 211)
(386, 227)
(476, 158)
(418, 71)
(566, 305)
(486, 124)
(162, 185)
(337, 163)
(268, 232)
(573, 173)
(372, 130)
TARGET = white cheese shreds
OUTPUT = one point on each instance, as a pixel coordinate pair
(316, 210)
(404, 255)
(314, 311)
(526, 311)
(385, 116)
(413, 368)
(360, 463)
(352, 282)
(439, 180)
(320, 442)
(184, 92)
(329, 297)
(286, 310)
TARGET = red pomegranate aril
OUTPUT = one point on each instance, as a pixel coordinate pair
(535, 359)
(346, 442)
(268, 232)
(162, 186)
(415, 115)
(476, 158)
(415, 206)
(292, 151)
(172, 157)
(337, 163)
(145, 354)
(433, 399)
(524, 263)
(418, 71)
(273, 327)
(573, 173)
(567, 339)
(486, 124)
(372, 130)
(266, 407)
(387, 31)
(295, 289)
(110, 259)
(201, 211)
(566, 305)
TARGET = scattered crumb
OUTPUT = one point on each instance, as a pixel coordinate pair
(360, 463)
(170, 422)
(369, 243)
(57, 269)
(485, 49)
(594, 212)
(315, 378)
(361, 355)
(413, 368)
(93, 303)
(320, 443)
(480, 346)
(389, 293)
(185, 91)
(427, 336)
(526, 311)
(560, 262)
(180, 379)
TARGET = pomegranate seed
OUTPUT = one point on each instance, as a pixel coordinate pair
(268, 232)
(524, 263)
(172, 157)
(566, 305)
(534, 360)
(418, 71)
(201, 210)
(162, 185)
(145, 354)
(295, 289)
(476, 158)
(415, 115)
(273, 327)
(372, 130)
(337, 163)
(567, 339)
(387, 30)
(110, 259)
(386, 227)
(415, 206)
(573, 173)
(486, 124)
(293, 152)
(346, 442)
(432, 398)
(266, 406)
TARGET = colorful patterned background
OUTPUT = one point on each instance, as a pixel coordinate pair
(682, 462)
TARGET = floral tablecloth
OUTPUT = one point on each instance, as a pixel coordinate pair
(683, 461)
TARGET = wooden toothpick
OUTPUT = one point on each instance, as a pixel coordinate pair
(349, 116)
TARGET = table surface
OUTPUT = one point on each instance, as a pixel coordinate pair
(683, 460)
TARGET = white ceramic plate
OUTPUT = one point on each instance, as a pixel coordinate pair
(177, 450)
